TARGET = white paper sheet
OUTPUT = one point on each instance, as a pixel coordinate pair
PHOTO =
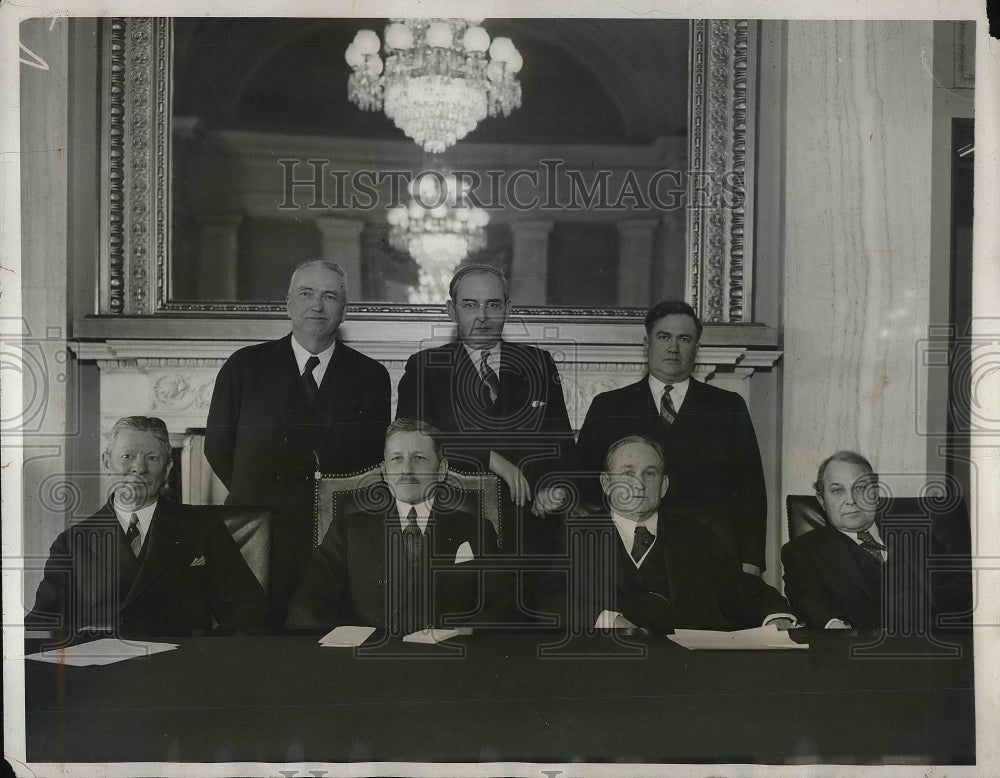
(105, 651)
(434, 635)
(760, 638)
(346, 636)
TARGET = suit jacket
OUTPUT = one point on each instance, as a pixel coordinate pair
(263, 442)
(713, 460)
(827, 575)
(686, 581)
(188, 573)
(359, 574)
(528, 425)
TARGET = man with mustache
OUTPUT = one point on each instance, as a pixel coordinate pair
(145, 566)
(410, 563)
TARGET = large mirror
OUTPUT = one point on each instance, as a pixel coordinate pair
(233, 153)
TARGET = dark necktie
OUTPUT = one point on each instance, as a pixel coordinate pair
(490, 381)
(667, 410)
(412, 538)
(872, 546)
(132, 535)
(643, 540)
(309, 380)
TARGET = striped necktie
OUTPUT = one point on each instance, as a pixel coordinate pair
(132, 535)
(872, 546)
(667, 410)
(490, 380)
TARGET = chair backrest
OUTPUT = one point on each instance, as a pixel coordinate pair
(948, 513)
(250, 528)
(803, 513)
(338, 495)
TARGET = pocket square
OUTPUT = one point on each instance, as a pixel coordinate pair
(197, 561)
(538, 403)
(464, 553)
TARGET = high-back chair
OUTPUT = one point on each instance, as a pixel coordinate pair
(339, 495)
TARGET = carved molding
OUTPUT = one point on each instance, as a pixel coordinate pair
(722, 142)
(136, 207)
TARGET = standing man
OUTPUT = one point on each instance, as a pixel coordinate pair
(287, 408)
(712, 457)
(406, 568)
(144, 566)
(499, 405)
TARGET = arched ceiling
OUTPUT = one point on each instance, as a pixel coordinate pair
(583, 80)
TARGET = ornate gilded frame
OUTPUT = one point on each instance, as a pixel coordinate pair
(135, 181)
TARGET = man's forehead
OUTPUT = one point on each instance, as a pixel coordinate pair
(633, 455)
(134, 439)
(403, 442)
(675, 322)
(847, 473)
(317, 278)
(479, 286)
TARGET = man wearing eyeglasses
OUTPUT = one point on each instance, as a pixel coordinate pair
(499, 404)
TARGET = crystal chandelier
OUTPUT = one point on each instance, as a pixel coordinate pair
(440, 77)
(439, 228)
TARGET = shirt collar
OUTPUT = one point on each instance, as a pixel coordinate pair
(145, 517)
(423, 513)
(872, 530)
(476, 355)
(677, 394)
(626, 531)
(302, 355)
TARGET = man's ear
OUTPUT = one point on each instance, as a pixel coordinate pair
(381, 471)
(450, 308)
(605, 482)
(442, 470)
(664, 485)
(106, 460)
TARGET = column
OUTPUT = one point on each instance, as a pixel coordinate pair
(218, 254)
(342, 244)
(530, 262)
(635, 261)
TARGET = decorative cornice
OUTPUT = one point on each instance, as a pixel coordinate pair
(114, 185)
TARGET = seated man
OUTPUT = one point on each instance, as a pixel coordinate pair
(643, 567)
(834, 574)
(404, 568)
(144, 566)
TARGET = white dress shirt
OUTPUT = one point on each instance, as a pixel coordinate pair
(145, 518)
(677, 393)
(423, 513)
(302, 355)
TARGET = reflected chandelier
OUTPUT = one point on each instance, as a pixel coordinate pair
(440, 77)
(439, 228)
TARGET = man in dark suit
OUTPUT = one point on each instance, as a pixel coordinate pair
(408, 567)
(284, 409)
(638, 565)
(846, 575)
(712, 457)
(143, 566)
(498, 404)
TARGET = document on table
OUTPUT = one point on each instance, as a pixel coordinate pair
(436, 635)
(105, 651)
(769, 637)
(346, 637)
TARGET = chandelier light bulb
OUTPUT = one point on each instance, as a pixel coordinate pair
(502, 49)
(476, 39)
(398, 36)
(354, 57)
(439, 35)
(366, 42)
(375, 66)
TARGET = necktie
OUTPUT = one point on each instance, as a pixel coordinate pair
(872, 546)
(132, 535)
(640, 545)
(490, 381)
(309, 380)
(667, 410)
(412, 538)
